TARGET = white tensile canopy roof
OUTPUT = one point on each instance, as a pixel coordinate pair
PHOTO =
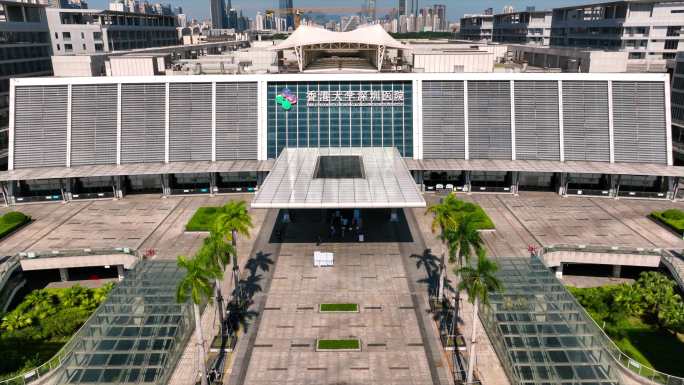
(295, 182)
(371, 35)
(308, 42)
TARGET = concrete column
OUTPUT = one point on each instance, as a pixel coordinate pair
(212, 184)
(559, 271)
(467, 186)
(563, 182)
(261, 176)
(118, 190)
(5, 190)
(166, 188)
(614, 186)
(120, 272)
(10, 193)
(64, 274)
(68, 184)
(617, 269)
(672, 187)
(418, 178)
(515, 182)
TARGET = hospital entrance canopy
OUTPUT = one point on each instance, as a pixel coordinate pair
(319, 178)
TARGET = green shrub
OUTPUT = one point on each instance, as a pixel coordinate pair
(674, 214)
(203, 219)
(14, 217)
(673, 218)
(12, 221)
(481, 218)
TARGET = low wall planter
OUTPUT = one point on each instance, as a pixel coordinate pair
(341, 345)
(338, 308)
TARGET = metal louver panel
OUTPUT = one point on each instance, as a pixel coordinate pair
(639, 131)
(190, 122)
(585, 121)
(93, 124)
(489, 119)
(40, 126)
(236, 121)
(143, 117)
(537, 135)
(443, 120)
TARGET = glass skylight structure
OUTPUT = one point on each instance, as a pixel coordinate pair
(137, 335)
(377, 178)
(541, 334)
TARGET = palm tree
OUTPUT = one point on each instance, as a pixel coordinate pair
(464, 240)
(478, 282)
(218, 252)
(233, 220)
(444, 219)
(196, 285)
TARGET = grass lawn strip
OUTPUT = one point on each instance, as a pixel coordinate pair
(339, 308)
(203, 219)
(12, 221)
(673, 218)
(349, 344)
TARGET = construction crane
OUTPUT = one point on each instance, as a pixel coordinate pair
(329, 10)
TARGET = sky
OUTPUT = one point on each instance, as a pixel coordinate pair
(455, 8)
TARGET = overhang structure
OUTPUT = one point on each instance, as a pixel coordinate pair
(308, 41)
(294, 183)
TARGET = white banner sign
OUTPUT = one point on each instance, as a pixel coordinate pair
(354, 98)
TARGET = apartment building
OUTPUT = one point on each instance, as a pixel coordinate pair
(89, 31)
(528, 27)
(649, 31)
(677, 102)
(477, 27)
(24, 51)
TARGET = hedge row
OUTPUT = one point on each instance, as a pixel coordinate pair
(12, 221)
(673, 218)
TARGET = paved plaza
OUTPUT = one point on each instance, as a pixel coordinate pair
(370, 275)
(139, 222)
(547, 219)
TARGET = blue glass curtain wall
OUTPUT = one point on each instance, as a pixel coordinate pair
(340, 114)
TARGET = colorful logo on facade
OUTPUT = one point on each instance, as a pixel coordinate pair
(286, 99)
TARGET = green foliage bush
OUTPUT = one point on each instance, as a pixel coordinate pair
(203, 219)
(672, 218)
(651, 298)
(642, 318)
(14, 217)
(483, 220)
(42, 323)
(674, 214)
(11, 221)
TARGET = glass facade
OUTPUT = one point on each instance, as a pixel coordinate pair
(137, 335)
(541, 333)
(340, 114)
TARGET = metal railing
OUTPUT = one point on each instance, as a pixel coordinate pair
(627, 363)
(7, 267)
